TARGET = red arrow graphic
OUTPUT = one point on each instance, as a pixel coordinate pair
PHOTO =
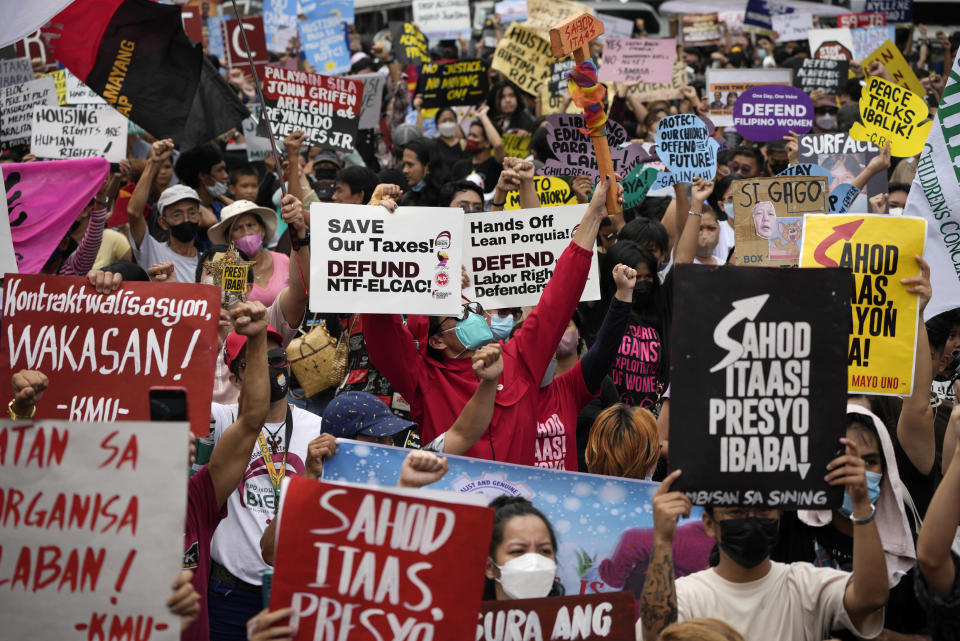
(840, 232)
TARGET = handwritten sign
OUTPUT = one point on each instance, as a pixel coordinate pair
(819, 73)
(879, 250)
(516, 145)
(832, 44)
(80, 94)
(646, 91)
(410, 46)
(869, 39)
(791, 27)
(724, 86)
(373, 84)
(523, 57)
(18, 103)
(103, 352)
(573, 150)
(892, 114)
(233, 43)
(700, 29)
(637, 184)
(588, 617)
(439, 19)
(860, 20)
(551, 94)
(464, 82)
(386, 265)
(684, 145)
(542, 15)
(638, 60)
(897, 66)
(15, 71)
(771, 112)
(551, 191)
(257, 146)
(60, 84)
(323, 36)
(763, 412)
(614, 27)
(78, 132)
(279, 23)
(899, 12)
(512, 254)
(97, 538)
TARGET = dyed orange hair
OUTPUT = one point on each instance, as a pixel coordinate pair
(700, 629)
(623, 442)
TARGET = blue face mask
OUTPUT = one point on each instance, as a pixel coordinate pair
(728, 210)
(873, 490)
(473, 332)
(500, 326)
(420, 185)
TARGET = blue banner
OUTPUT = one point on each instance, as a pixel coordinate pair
(758, 15)
(279, 23)
(323, 36)
(604, 525)
(215, 37)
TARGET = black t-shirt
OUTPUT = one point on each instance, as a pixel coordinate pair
(449, 155)
(489, 170)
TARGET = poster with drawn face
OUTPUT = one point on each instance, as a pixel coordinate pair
(844, 158)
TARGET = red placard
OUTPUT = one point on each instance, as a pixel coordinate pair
(192, 23)
(35, 47)
(364, 563)
(103, 352)
(860, 20)
(586, 617)
(233, 43)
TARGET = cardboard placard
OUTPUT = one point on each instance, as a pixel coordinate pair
(103, 352)
(869, 39)
(770, 112)
(542, 15)
(768, 217)
(646, 91)
(764, 395)
(101, 540)
(373, 85)
(832, 44)
(516, 145)
(464, 82)
(558, 83)
(524, 58)
(843, 158)
(326, 108)
(860, 20)
(365, 261)
(897, 66)
(638, 60)
(511, 255)
(818, 73)
(898, 12)
(405, 559)
(573, 150)
(233, 47)
(791, 27)
(409, 45)
(323, 36)
(589, 617)
(15, 71)
(551, 191)
(78, 132)
(700, 29)
(16, 108)
(685, 147)
(892, 114)
(879, 250)
(724, 86)
(442, 19)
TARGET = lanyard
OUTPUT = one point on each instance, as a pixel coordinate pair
(276, 476)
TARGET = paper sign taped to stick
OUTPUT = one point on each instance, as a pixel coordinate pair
(879, 250)
(684, 145)
(724, 86)
(770, 112)
(892, 114)
(638, 60)
(700, 29)
(326, 108)
(819, 73)
(404, 263)
(844, 159)
(662, 90)
(512, 254)
(524, 58)
(764, 399)
(103, 352)
(402, 559)
(441, 19)
(768, 217)
(16, 110)
(551, 191)
(464, 82)
(101, 540)
(15, 72)
(78, 132)
(897, 66)
(587, 617)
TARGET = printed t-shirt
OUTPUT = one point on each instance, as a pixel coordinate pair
(557, 408)
(635, 369)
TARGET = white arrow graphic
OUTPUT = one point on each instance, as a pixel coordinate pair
(745, 309)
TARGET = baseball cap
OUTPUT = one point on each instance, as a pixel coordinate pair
(354, 413)
(404, 133)
(328, 156)
(267, 218)
(175, 194)
(236, 342)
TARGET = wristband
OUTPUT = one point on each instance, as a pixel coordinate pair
(493, 204)
(21, 417)
(695, 213)
(296, 242)
(866, 519)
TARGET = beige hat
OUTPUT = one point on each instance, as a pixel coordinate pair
(267, 217)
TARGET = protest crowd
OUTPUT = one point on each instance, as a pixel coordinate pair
(514, 323)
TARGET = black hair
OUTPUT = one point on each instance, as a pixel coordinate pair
(505, 509)
(538, 145)
(238, 172)
(747, 150)
(210, 253)
(938, 328)
(435, 177)
(864, 424)
(516, 119)
(443, 110)
(196, 161)
(478, 123)
(892, 187)
(359, 179)
(647, 233)
(719, 189)
(852, 88)
(129, 271)
(451, 189)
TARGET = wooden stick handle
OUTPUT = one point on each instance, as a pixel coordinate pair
(605, 165)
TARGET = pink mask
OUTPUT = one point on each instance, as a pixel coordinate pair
(568, 343)
(249, 244)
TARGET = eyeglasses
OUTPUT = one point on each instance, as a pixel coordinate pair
(469, 308)
(178, 216)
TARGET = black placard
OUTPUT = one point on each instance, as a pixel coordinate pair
(464, 82)
(818, 73)
(409, 45)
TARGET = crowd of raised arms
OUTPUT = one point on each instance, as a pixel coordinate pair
(567, 384)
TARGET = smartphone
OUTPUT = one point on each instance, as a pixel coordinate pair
(168, 404)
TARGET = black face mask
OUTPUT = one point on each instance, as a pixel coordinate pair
(749, 541)
(185, 231)
(776, 168)
(278, 384)
(642, 292)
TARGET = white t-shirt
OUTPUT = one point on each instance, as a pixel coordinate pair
(151, 251)
(794, 602)
(725, 241)
(236, 543)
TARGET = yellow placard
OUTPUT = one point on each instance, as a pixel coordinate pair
(551, 190)
(234, 278)
(880, 251)
(523, 58)
(892, 114)
(60, 82)
(516, 145)
(897, 66)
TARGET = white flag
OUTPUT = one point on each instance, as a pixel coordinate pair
(19, 23)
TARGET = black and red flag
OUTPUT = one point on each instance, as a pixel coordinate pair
(135, 54)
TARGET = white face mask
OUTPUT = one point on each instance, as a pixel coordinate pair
(529, 576)
(447, 129)
(217, 189)
(895, 211)
(826, 121)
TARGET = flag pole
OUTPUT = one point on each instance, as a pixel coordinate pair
(278, 167)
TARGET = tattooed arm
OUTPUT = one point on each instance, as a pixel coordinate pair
(658, 601)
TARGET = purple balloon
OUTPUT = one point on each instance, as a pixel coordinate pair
(770, 112)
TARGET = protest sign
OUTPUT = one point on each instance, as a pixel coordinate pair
(233, 42)
(898, 12)
(192, 23)
(326, 108)
(543, 14)
(16, 113)
(807, 169)
(257, 147)
(573, 150)
(406, 559)
(724, 86)
(523, 58)
(463, 82)
(662, 90)
(764, 399)
(373, 84)
(637, 184)
(758, 15)
(844, 159)
(637, 60)
(892, 114)
(551, 94)
(686, 149)
(516, 145)
(359, 255)
(279, 23)
(60, 84)
(869, 39)
(614, 27)
(323, 36)
(735, 27)
(8, 258)
(818, 73)
(97, 538)
(770, 112)
(410, 46)
(550, 191)
(35, 47)
(511, 10)
(15, 71)
(860, 20)
(78, 132)
(832, 44)
(791, 27)
(879, 250)
(215, 37)
(897, 66)
(78, 93)
(768, 217)
(604, 524)
(842, 197)
(700, 29)
(441, 19)
(589, 617)
(511, 255)
(103, 352)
